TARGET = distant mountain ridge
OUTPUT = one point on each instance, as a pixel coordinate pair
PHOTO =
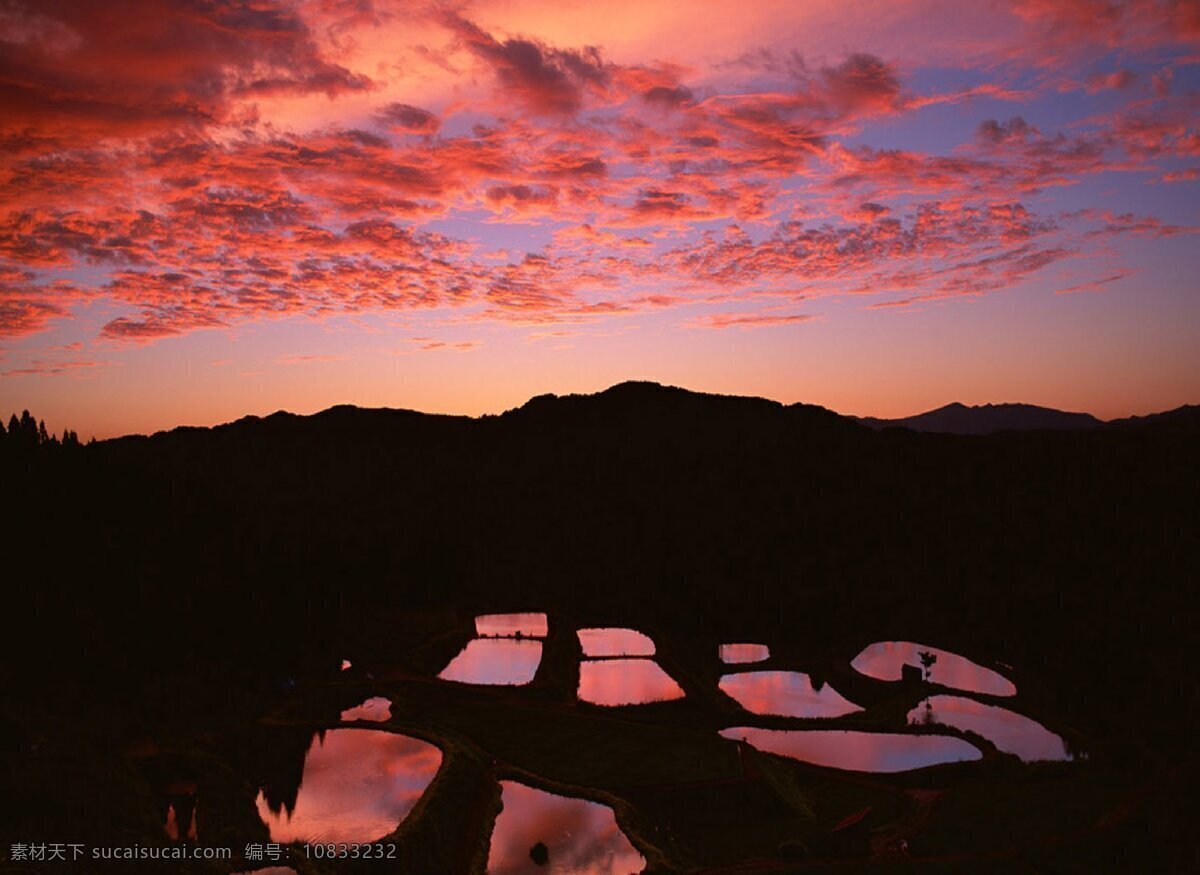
(957, 418)
(639, 403)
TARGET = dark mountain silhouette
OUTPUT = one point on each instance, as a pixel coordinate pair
(1183, 418)
(981, 419)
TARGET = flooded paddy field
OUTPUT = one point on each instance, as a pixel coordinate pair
(472, 772)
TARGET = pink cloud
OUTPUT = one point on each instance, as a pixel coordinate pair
(166, 66)
(55, 368)
(545, 79)
(429, 344)
(750, 320)
(1096, 284)
(28, 306)
(1116, 80)
(24, 316)
(308, 359)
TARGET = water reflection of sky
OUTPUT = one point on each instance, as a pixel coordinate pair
(615, 642)
(625, 682)
(582, 837)
(172, 824)
(527, 625)
(358, 785)
(508, 661)
(857, 751)
(1010, 732)
(733, 654)
(884, 660)
(786, 693)
(375, 709)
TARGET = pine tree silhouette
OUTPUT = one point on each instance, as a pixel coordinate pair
(27, 432)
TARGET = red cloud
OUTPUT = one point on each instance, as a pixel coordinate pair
(1056, 30)
(1150, 133)
(668, 97)
(409, 119)
(545, 79)
(308, 359)
(53, 368)
(750, 320)
(164, 64)
(1189, 175)
(861, 84)
(1116, 80)
(522, 197)
(20, 316)
(1096, 285)
(27, 306)
(1016, 129)
(427, 344)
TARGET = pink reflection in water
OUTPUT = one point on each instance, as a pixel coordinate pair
(625, 682)
(375, 709)
(733, 654)
(172, 824)
(581, 837)
(785, 693)
(857, 751)
(357, 787)
(508, 661)
(885, 659)
(1009, 731)
(271, 870)
(500, 625)
(615, 642)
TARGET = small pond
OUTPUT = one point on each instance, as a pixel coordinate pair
(1009, 731)
(182, 811)
(357, 786)
(504, 661)
(858, 751)
(614, 642)
(577, 836)
(625, 682)
(376, 710)
(737, 654)
(172, 824)
(885, 661)
(786, 694)
(511, 625)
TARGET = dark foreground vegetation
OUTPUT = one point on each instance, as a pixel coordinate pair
(182, 587)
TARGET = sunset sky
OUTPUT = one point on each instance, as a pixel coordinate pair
(210, 208)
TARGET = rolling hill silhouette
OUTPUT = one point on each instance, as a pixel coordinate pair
(958, 418)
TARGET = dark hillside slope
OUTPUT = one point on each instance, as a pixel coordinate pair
(958, 418)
